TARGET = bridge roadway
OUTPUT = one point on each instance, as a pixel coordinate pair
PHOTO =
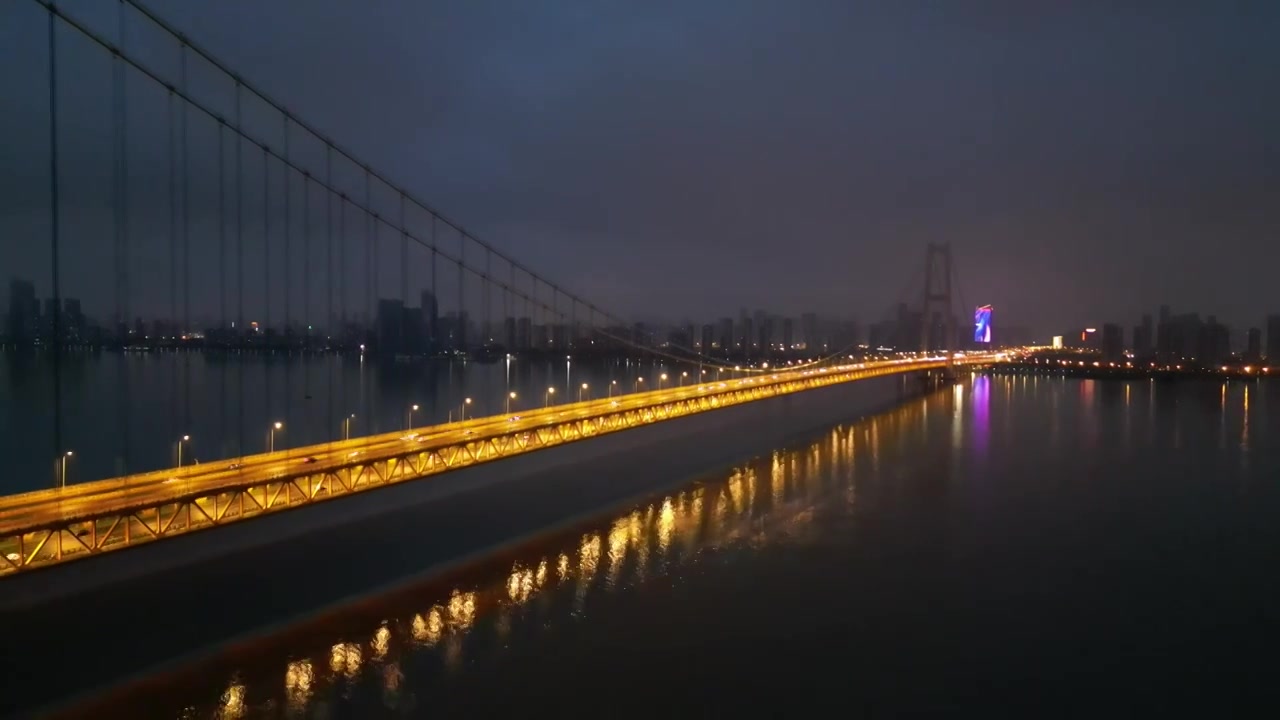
(49, 527)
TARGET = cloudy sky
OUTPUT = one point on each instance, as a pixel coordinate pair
(1087, 161)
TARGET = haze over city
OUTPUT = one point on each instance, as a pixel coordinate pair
(1088, 163)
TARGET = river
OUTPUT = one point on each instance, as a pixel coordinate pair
(1030, 546)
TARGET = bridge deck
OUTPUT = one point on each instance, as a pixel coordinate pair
(48, 527)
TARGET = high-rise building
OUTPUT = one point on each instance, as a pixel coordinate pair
(1144, 337)
(24, 312)
(809, 330)
(1112, 342)
(726, 334)
(788, 336)
(707, 341)
(390, 325)
(1273, 339)
(431, 321)
(1253, 345)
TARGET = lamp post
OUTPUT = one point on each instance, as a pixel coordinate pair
(271, 436)
(465, 403)
(63, 476)
(581, 390)
(550, 391)
(183, 439)
(506, 409)
(408, 424)
(346, 426)
(683, 375)
(661, 379)
(612, 384)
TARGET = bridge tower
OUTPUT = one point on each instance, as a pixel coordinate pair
(937, 302)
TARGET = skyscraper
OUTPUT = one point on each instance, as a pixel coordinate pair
(1253, 345)
(24, 312)
(809, 330)
(1273, 339)
(1112, 342)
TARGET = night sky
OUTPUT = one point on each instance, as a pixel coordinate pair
(1087, 161)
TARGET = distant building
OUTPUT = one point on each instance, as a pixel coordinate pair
(390, 326)
(1112, 342)
(809, 331)
(726, 334)
(1144, 337)
(1253, 345)
(1273, 339)
(24, 312)
(1213, 343)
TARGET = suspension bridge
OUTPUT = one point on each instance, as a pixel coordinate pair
(233, 228)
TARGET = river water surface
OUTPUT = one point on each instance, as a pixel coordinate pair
(1028, 546)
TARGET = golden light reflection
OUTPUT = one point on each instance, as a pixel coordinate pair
(666, 525)
(345, 659)
(720, 512)
(231, 705)
(428, 630)
(519, 584)
(392, 678)
(638, 539)
(735, 492)
(299, 676)
(462, 610)
(619, 535)
(589, 555)
(381, 642)
(649, 539)
(1244, 430)
(775, 479)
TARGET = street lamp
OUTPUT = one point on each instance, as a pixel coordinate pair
(185, 438)
(507, 407)
(550, 391)
(612, 384)
(271, 436)
(683, 375)
(581, 390)
(346, 426)
(63, 477)
(408, 425)
(465, 403)
(661, 379)
(638, 381)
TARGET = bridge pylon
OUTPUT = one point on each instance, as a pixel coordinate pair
(937, 320)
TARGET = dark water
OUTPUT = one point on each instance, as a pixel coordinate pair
(124, 412)
(1025, 546)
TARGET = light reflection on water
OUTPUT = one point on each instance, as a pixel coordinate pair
(397, 656)
(767, 500)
